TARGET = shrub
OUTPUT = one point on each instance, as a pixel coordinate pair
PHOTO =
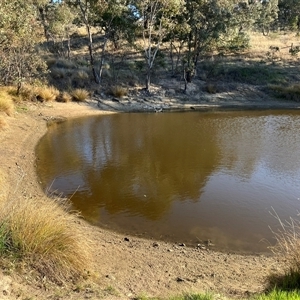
(6, 102)
(118, 91)
(47, 93)
(80, 95)
(42, 234)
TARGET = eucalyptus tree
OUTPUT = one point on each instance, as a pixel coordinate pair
(155, 16)
(20, 33)
(117, 23)
(289, 14)
(110, 17)
(87, 12)
(57, 19)
(207, 20)
(268, 15)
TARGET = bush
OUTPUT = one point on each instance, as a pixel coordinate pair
(80, 95)
(45, 236)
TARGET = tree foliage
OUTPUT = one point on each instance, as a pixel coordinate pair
(191, 28)
(19, 35)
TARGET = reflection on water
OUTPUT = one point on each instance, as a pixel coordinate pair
(185, 177)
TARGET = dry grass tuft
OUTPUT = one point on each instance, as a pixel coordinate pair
(44, 235)
(64, 97)
(46, 93)
(27, 93)
(6, 102)
(4, 187)
(287, 246)
(3, 124)
(80, 95)
(211, 88)
(65, 64)
(118, 91)
(58, 73)
(80, 78)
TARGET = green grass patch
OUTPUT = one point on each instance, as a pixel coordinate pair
(255, 73)
(280, 295)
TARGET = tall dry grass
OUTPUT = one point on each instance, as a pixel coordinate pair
(118, 91)
(79, 95)
(6, 102)
(46, 236)
(46, 93)
(64, 97)
(287, 247)
(261, 45)
(3, 185)
(3, 124)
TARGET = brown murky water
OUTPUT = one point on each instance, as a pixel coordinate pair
(183, 177)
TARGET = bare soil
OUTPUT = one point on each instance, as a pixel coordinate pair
(126, 267)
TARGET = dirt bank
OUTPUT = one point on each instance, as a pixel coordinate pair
(124, 266)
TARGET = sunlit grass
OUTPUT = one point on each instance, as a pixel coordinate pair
(80, 95)
(46, 93)
(280, 295)
(6, 102)
(45, 236)
(64, 97)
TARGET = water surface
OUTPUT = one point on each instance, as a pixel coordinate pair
(183, 177)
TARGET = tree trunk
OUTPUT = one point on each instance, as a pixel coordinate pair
(91, 52)
(148, 79)
(102, 59)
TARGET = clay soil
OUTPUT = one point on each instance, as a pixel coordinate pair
(125, 267)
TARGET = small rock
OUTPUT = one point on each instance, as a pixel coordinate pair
(110, 277)
(170, 250)
(181, 245)
(155, 244)
(179, 279)
(126, 239)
